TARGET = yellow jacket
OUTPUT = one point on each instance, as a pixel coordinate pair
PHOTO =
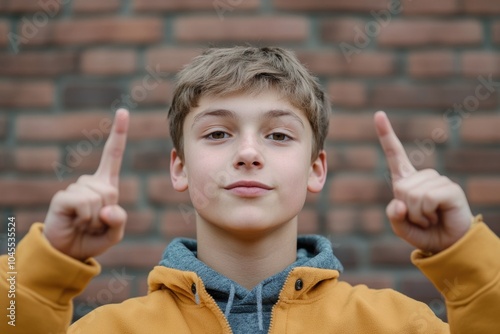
(468, 275)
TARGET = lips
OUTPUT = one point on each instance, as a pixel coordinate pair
(248, 188)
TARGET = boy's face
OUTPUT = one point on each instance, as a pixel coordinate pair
(247, 161)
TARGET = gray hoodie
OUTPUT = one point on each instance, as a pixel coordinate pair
(248, 311)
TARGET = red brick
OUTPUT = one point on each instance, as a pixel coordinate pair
(372, 220)
(3, 126)
(148, 125)
(156, 159)
(147, 92)
(491, 218)
(371, 64)
(347, 253)
(339, 5)
(106, 30)
(50, 8)
(352, 158)
(308, 221)
(431, 32)
(262, 29)
(108, 61)
(95, 6)
(472, 160)
(25, 218)
(87, 164)
(139, 222)
(430, 7)
(359, 189)
(418, 287)
(160, 190)
(341, 221)
(481, 63)
(71, 126)
(345, 220)
(373, 281)
(351, 94)
(486, 7)
(4, 31)
(35, 159)
(481, 129)
(179, 222)
(37, 63)
(390, 252)
(105, 289)
(423, 155)
(144, 255)
(483, 190)
(222, 6)
(496, 32)
(169, 59)
(361, 127)
(26, 94)
(427, 96)
(129, 190)
(29, 191)
(341, 29)
(6, 160)
(424, 64)
(79, 95)
(351, 128)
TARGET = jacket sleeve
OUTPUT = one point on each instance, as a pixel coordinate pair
(39, 285)
(468, 276)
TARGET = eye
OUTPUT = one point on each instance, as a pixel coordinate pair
(278, 136)
(217, 135)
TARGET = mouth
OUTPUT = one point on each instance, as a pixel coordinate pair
(248, 188)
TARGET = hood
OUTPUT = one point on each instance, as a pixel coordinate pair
(236, 302)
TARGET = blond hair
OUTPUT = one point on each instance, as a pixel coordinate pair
(223, 71)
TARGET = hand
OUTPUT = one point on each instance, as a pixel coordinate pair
(85, 219)
(429, 211)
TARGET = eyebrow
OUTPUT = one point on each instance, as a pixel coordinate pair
(273, 113)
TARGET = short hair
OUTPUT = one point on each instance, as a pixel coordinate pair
(247, 69)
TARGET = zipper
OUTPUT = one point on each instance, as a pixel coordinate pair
(218, 310)
(279, 299)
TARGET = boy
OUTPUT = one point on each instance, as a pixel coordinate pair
(248, 126)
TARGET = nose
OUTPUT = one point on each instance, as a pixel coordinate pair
(248, 154)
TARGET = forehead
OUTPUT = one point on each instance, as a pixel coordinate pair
(267, 105)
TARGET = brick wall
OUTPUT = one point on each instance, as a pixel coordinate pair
(434, 66)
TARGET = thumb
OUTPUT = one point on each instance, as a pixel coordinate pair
(115, 218)
(396, 211)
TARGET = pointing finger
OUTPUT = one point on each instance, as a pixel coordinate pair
(111, 159)
(397, 159)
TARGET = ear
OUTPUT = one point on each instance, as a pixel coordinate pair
(317, 174)
(178, 174)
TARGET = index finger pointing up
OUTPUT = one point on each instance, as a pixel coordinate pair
(111, 159)
(399, 163)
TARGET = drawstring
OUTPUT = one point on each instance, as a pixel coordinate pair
(230, 301)
(259, 306)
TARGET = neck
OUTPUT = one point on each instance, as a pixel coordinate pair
(246, 259)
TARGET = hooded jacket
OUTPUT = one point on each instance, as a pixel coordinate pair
(311, 300)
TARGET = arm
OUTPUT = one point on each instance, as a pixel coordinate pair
(54, 261)
(431, 212)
